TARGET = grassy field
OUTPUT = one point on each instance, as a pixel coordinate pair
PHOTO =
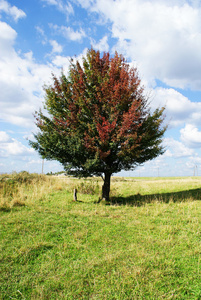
(145, 245)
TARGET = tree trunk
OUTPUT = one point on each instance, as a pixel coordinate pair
(106, 187)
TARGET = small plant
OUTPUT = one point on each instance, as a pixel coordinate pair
(89, 187)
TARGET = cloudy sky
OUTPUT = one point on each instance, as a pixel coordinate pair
(162, 38)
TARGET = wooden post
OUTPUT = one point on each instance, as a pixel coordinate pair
(75, 195)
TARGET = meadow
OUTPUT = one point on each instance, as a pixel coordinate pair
(145, 244)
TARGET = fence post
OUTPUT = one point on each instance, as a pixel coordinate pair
(75, 195)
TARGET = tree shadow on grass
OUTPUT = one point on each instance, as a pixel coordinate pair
(140, 200)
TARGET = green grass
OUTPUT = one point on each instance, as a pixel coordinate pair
(145, 245)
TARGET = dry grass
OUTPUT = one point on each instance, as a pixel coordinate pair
(19, 189)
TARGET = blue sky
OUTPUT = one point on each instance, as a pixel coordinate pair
(162, 38)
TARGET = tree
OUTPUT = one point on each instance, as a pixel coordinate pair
(99, 121)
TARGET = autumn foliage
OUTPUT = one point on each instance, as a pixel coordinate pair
(98, 121)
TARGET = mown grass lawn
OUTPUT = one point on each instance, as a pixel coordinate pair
(146, 245)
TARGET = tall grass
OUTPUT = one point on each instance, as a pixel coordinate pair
(19, 189)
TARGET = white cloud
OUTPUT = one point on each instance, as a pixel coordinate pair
(21, 81)
(56, 48)
(16, 148)
(61, 61)
(191, 136)
(179, 109)
(42, 34)
(51, 2)
(7, 38)
(10, 146)
(4, 137)
(69, 33)
(64, 61)
(13, 11)
(87, 3)
(64, 7)
(163, 36)
(102, 45)
(40, 31)
(176, 149)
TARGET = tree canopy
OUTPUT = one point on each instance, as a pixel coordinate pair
(99, 121)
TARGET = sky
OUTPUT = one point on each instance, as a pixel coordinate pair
(161, 38)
